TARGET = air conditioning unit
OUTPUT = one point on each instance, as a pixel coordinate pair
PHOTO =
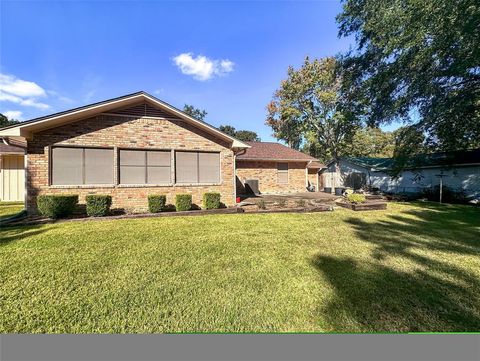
(251, 186)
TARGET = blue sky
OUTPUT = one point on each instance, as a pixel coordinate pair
(225, 57)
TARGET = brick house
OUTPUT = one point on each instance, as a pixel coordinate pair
(136, 145)
(268, 167)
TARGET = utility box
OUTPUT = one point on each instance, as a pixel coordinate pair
(251, 186)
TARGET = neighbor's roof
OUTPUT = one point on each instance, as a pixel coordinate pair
(273, 151)
(10, 149)
(462, 157)
(26, 128)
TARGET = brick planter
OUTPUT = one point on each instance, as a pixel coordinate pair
(367, 206)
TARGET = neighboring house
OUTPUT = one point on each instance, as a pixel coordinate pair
(268, 167)
(12, 172)
(458, 170)
(128, 147)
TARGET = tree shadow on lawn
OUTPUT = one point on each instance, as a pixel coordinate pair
(16, 233)
(379, 294)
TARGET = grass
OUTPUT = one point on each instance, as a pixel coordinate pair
(8, 209)
(414, 267)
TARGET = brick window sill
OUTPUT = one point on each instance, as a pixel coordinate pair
(94, 186)
(81, 186)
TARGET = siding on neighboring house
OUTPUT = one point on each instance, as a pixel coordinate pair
(266, 173)
(120, 132)
(466, 178)
(12, 177)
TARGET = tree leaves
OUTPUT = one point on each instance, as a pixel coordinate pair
(416, 62)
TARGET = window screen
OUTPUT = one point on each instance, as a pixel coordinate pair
(282, 172)
(186, 167)
(98, 166)
(197, 167)
(145, 167)
(77, 166)
(209, 167)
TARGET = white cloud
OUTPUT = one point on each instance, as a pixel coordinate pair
(13, 114)
(25, 102)
(19, 87)
(201, 67)
(21, 92)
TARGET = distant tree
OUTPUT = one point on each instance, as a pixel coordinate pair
(371, 142)
(416, 62)
(195, 112)
(228, 129)
(366, 142)
(5, 122)
(409, 141)
(308, 104)
(244, 135)
(247, 135)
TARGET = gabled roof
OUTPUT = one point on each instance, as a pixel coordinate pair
(26, 128)
(462, 157)
(273, 151)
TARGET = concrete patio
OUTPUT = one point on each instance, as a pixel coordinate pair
(311, 197)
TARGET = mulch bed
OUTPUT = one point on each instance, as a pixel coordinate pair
(34, 220)
(37, 220)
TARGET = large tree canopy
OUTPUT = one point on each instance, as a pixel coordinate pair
(307, 104)
(416, 61)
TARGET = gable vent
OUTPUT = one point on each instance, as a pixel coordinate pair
(143, 110)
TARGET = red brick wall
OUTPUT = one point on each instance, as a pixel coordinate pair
(266, 173)
(126, 132)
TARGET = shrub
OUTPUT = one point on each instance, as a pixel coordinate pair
(157, 203)
(211, 200)
(98, 205)
(301, 202)
(183, 202)
(56, 205)
(261, 204)
(282, 203)
(356, 198)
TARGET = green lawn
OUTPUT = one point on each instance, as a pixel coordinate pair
(8, 209)
(410, 268)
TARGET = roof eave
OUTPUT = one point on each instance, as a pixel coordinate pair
(275, 160)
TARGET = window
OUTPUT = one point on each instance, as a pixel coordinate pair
(282, 172)
(77, 166)
(145, 167)
(197, 167)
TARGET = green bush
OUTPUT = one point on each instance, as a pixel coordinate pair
(211, 200)
(183, 202)
(261, 204)
(157, 203)
(301, 202)
(56, 205)
(98, 205)
(282, 203)
(356, 198)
